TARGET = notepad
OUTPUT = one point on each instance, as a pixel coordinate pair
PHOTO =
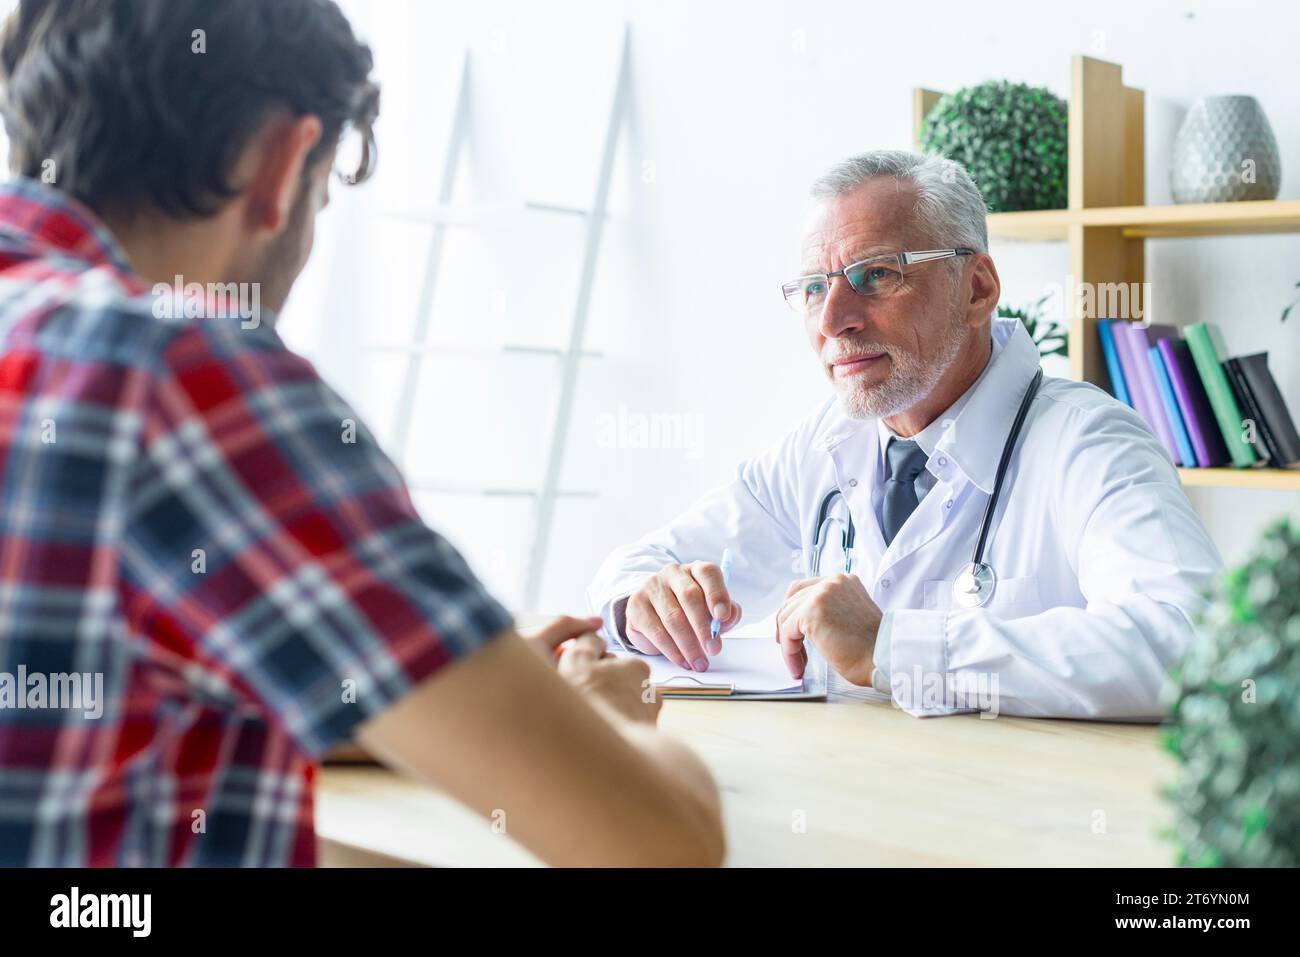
(745, 666)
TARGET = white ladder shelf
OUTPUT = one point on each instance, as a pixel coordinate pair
(445, 216)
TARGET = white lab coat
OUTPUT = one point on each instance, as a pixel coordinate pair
(1100, 559)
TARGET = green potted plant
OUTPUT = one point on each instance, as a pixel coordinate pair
(1011, 137)
(1235, 728)
(1052, 338)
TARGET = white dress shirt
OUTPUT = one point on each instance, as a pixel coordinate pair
(1100, 559)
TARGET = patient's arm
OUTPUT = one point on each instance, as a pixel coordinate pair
(502, 732)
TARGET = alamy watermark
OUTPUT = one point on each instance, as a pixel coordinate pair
(627, 429)
(133, 912)
(959, 690)
(1099, 300)
(55, 691)
(214, 300)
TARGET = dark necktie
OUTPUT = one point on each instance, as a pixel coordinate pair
(904, 461)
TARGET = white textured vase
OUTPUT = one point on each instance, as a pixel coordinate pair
(1225, 152)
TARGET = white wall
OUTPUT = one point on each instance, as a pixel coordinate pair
(736, 106)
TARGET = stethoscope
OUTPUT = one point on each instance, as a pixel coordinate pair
(975, 583)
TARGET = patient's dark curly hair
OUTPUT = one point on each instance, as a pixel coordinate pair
(151, 102)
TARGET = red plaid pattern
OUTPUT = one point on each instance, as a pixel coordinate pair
(183, 520)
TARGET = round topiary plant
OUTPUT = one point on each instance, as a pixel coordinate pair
(1012, 139)
(1236, 717)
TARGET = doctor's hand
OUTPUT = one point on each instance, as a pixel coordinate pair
(670, 614)
(837, 615)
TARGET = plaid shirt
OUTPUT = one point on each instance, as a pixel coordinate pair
(183, 517)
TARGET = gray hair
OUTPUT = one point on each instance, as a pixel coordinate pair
(949, 206)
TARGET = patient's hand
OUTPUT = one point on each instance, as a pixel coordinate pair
(670, 614)
(617, 686)
(546, 641)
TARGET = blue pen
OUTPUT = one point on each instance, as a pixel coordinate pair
(726, 580)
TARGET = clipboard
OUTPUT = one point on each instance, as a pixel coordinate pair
(689, 686)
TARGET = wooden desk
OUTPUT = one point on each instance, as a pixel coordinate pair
(840, 782)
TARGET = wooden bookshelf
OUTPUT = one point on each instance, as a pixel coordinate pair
(1280, 479)
(1106, 223)
(1154, 222)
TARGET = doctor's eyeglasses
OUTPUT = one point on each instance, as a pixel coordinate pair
(878, 276)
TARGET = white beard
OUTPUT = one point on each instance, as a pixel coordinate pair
(910, 379)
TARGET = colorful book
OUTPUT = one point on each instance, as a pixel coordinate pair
(1186, 457)
(1205, 342)
(1134, 340)
(1128, 363)
(1118, 387)
(1281, 426)
(1194, 404)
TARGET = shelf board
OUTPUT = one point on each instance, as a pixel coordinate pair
(1034, 226)
(1283, 479)
(1149, 222)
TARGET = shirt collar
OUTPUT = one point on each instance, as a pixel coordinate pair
(42, 221)
(972, 431)
(928, 438)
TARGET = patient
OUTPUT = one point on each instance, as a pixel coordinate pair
(193, 522)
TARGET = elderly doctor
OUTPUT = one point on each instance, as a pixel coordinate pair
(1091, 570)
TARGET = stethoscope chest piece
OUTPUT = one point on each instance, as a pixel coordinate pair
(974, 585)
